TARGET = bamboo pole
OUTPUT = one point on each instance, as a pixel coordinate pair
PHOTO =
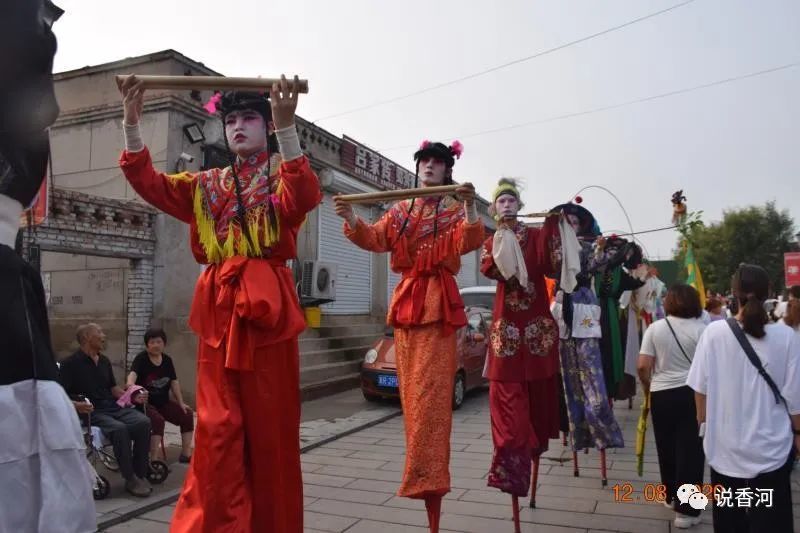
(399, 194)
(209, 82)
(543, 214)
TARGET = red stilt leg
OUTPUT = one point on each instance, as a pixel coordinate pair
(515, 504)
(434, 506)
(603, 474)
(630, 402)
(611, 402)
(575, 464)
(563, 438)
(534, 481)
(586, 451)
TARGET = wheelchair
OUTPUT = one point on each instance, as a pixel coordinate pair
(99, 448)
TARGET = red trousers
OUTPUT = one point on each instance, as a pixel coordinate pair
(245, 472)
(524, 418)
(169, 412)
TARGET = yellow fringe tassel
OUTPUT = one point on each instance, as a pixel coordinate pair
(236, 243)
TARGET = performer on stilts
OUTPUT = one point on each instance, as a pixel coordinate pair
(522, 362)
(591, 418)
(426, 239)
(611, 281)
(244, 219)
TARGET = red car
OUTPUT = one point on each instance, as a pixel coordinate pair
(379, 370)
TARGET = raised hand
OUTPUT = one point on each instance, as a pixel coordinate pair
(132, 91)
(466, 193)
(284, 102)
(344, 210)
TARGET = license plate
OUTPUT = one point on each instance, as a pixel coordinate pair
(387, 381)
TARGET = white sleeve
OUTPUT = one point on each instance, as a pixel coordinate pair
(289, 143)
(570, 256)
(133, 137)
(791, 386)
(698, 372)
(648, 344)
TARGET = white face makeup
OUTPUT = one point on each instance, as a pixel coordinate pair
(574, 221)
(246, 132)
(432, 171)
(506, 205)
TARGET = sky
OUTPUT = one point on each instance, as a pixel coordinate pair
(727, 146)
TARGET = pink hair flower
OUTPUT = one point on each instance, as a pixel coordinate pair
(275, 200)
(211, 105)
(578, 199)
(424, 144)
(457, 149)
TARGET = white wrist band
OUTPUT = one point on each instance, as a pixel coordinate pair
(289, 143)
(471, 211)
(133, 137)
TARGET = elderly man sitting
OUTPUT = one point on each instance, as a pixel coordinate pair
(88, 373)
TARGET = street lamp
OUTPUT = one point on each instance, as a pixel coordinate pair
(194, 133)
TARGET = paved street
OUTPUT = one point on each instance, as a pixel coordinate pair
(350, 485)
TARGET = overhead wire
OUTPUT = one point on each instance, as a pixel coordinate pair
(503, 65)
(614, 106)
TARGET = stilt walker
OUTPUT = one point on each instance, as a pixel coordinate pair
(522, 362)
(245, 472)
(426, 238)
(591, 418)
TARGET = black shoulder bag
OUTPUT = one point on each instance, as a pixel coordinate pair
(751, 354)
(676, 340)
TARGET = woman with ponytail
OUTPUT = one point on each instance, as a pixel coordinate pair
(426, 239)
(746, 377)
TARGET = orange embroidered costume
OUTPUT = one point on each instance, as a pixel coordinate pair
(245, 471)
(426, 240)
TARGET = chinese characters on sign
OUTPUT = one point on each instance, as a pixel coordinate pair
(792, 267)
(372, 167)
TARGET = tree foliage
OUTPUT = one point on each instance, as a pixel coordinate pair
(755, 234)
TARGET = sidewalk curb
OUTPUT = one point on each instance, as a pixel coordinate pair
(132, 511)
(365, 425)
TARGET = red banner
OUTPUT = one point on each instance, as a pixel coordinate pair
(791, 263)
(38, 209)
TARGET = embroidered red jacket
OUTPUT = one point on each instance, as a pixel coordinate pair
(246, 297)
(524, 336)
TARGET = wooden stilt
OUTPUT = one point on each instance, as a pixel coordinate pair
(515, 504)
(534, 481)
(603, 473)
(575, 471)
(433, 504)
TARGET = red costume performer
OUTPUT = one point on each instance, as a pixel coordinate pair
(245, 472)
(522, 363)
(426, 238)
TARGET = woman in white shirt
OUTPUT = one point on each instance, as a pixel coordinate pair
(664, 360)
(748, 435)
(792, 315)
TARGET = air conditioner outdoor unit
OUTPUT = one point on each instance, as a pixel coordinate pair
(318, 280)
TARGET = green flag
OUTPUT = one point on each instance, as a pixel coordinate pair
(693, 276)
